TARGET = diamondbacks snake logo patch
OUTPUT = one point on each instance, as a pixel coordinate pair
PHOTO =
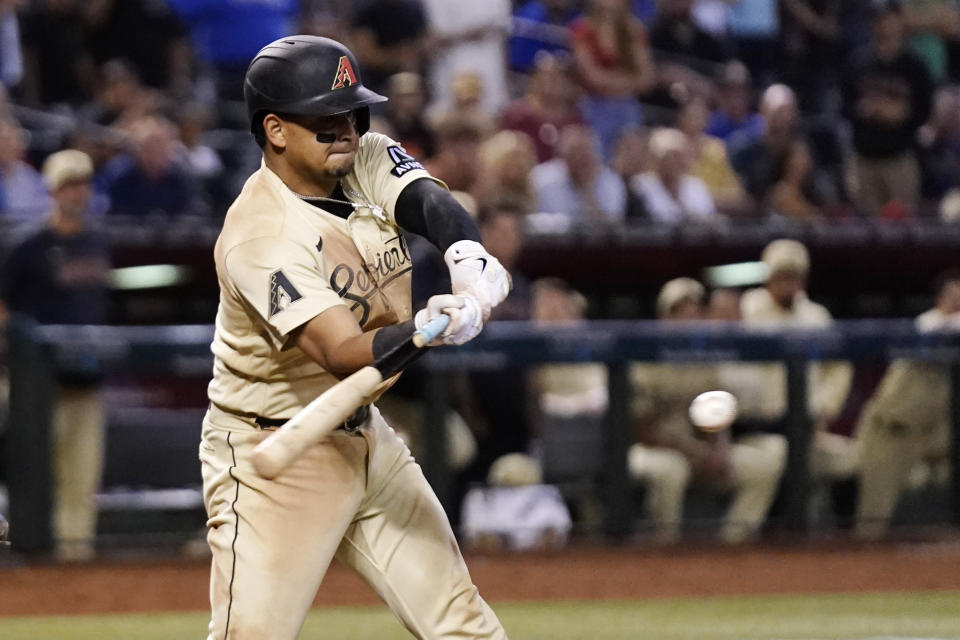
(282, 293)
(345, 76)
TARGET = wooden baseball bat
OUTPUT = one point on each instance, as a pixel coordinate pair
(332, 407)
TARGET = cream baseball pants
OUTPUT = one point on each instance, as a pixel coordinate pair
(357, 496)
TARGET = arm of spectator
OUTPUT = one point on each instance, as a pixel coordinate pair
(602, 80)
(673, 73)
(829, 387)
(646, 74)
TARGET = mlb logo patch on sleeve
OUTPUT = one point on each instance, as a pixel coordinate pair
(403, 161)
(282, 293)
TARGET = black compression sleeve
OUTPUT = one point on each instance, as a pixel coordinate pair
(393, 349)
(390, 336)
(427, 209)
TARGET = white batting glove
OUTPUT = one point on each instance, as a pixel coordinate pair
(466, 318)
(475, 272)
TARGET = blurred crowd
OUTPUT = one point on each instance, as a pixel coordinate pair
(573, 112)
(545, 115)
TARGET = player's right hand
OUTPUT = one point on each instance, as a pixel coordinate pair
(466, 318)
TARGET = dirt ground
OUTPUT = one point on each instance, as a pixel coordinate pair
(609, 573)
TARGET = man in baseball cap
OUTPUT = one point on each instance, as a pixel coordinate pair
(59, 276)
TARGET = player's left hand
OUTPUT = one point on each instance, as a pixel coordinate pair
(466, 318)
(475, 272)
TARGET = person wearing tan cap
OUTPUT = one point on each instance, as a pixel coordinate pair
(59, 276)
(670, 454)
(783, 303)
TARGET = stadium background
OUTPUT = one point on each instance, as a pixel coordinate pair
(140, 63)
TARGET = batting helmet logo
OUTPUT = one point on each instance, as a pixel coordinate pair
(345, 77)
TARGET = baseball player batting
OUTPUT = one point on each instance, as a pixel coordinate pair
(315, 285)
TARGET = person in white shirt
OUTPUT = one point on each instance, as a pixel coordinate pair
(670, 194)
(576, 184)
(469, 36)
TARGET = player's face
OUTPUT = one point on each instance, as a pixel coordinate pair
(784, 287)
(323, 148)
(73, 198)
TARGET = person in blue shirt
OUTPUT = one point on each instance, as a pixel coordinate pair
(227, 33)
(540, 25)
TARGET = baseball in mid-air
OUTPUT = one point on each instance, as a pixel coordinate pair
(713, 411)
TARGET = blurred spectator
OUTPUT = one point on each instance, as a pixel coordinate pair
(810, 41)
(669, 452)
(577, 184)
(387, 37)
(566, 390)
(23, 194)
(933, 27)
(756, 158)
(686, 54)
(405, 111)
(458, 145)
(515, 510)
(611, 52)
(734, 115)
(469, 36)
(549, 105)
(506, 161)
(60, 67)
(783, 303)
(198, 158)
(59, 276)
(193, 121)
(724, 305)
(631, 157)
(149, 180)
(938, 145)
(502, 230)
(227, 34)
(755, 27)
(467, 97)
(709, 160)
(794, 191)
(11, 51)
(886, 98)
(572, 401)
(144, 32)
(906, 424)
(120, 97)
(669, 192)
(540, 26)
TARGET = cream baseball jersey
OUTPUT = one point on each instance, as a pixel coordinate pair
(281, 261)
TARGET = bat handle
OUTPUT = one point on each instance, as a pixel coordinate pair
(430, 332)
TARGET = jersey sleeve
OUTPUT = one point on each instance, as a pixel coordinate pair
(384, 168)
(282, 280)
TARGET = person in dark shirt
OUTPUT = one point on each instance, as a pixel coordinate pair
(387, 37)
(60, 69)
(59, 276)
(145, 32)
(150, 180)
(886, 97)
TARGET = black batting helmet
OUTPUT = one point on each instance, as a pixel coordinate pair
(306, 75)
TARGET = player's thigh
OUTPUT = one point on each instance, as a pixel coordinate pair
(402, 544)
(758, 457)
(659, 466)
(273, 540)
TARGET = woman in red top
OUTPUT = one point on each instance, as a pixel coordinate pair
(614, 65)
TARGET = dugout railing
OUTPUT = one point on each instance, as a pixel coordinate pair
(34, 351)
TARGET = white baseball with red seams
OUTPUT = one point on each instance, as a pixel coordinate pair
(713, 411)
